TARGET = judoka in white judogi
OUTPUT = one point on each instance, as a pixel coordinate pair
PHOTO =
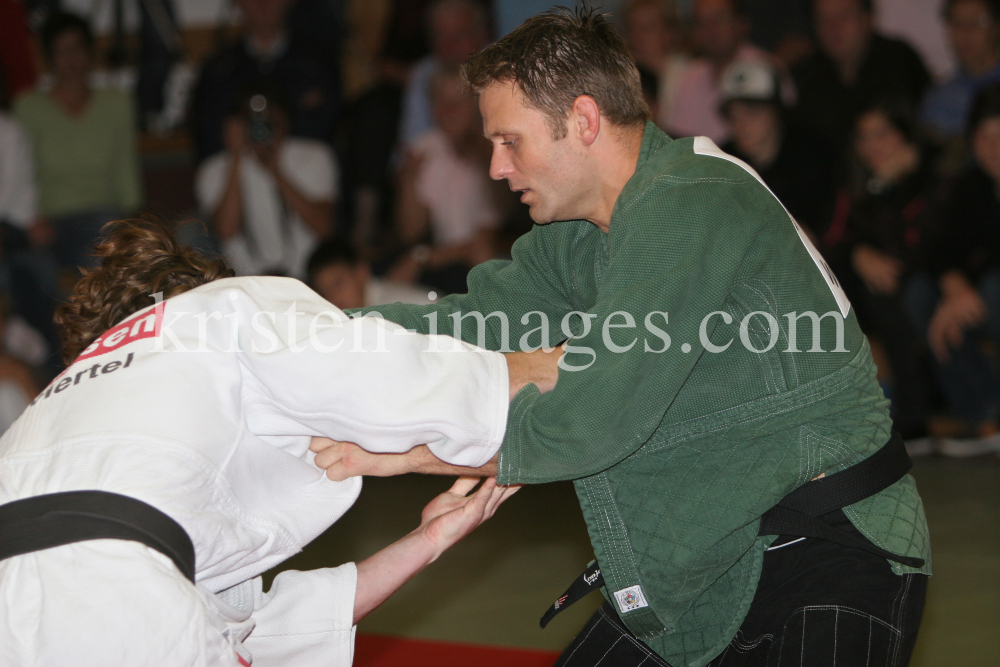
(203, 407)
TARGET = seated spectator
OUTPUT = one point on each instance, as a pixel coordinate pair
(27, 270)
(652, 35)
(918, 23)
(720, 37)
(781, 27)
(269, 195)
(396, 110)
(974, 28)
(86, 164)
(957, 304)
(853, 68)
(265, 55)
(801, 171)
(337, 274)
(448, 209)
(457, 29)
(403, 39)
(892, 209)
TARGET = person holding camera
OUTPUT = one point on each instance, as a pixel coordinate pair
(269, 196)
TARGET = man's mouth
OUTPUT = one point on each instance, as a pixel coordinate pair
(524, 193)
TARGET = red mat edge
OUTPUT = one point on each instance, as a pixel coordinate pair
(374, 650)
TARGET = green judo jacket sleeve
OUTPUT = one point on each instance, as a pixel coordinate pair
(633, 299)
(659, 272)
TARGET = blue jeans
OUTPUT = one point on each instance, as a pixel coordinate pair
(968, 379)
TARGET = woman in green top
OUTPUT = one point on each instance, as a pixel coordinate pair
(84, 139)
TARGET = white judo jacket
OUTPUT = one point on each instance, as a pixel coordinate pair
(202, 406)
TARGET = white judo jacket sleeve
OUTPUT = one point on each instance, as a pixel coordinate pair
(305, 619)
(366, 380)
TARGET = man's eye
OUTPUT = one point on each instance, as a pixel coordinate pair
(509, 142)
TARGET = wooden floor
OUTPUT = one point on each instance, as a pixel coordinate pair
(492, 588)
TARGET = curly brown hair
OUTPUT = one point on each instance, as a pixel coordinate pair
(140, 257)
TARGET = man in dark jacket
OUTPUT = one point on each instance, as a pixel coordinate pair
(268, 53)
(853, 66)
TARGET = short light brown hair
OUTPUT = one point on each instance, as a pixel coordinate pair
(140, 257)
(557, 56)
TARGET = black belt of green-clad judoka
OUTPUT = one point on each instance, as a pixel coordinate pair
(800, 513)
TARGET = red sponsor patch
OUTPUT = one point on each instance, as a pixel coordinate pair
(137, 327)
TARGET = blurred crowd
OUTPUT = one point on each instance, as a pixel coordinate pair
(379, 191)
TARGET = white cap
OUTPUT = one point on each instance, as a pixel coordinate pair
(750, 80)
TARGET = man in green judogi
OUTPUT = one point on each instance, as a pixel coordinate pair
(714, 367)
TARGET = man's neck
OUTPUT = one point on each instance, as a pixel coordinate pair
(619, 163)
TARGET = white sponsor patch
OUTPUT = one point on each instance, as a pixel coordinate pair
(705, 146)
(630, 599)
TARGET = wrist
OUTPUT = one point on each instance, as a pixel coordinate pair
(516, 372)
(430, 547)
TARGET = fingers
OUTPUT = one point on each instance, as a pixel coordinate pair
(463, 485)
(479, 503)
(318, 443)
(508, 491)
(499, 496)
(333, 453)
(341, 460)
(338, 472)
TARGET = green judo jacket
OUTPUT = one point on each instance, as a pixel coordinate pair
(716, 366)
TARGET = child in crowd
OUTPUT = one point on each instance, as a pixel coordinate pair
(341, 277)
(801, 170)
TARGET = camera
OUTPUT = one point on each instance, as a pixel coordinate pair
(260, 127)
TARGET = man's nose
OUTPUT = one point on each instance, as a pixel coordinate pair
(500, 166)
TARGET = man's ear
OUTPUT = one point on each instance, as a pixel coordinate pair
(586, 117)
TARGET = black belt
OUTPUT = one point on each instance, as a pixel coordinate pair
(55, 519)
(800, 513)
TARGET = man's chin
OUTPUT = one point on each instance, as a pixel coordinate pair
(538, 216)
